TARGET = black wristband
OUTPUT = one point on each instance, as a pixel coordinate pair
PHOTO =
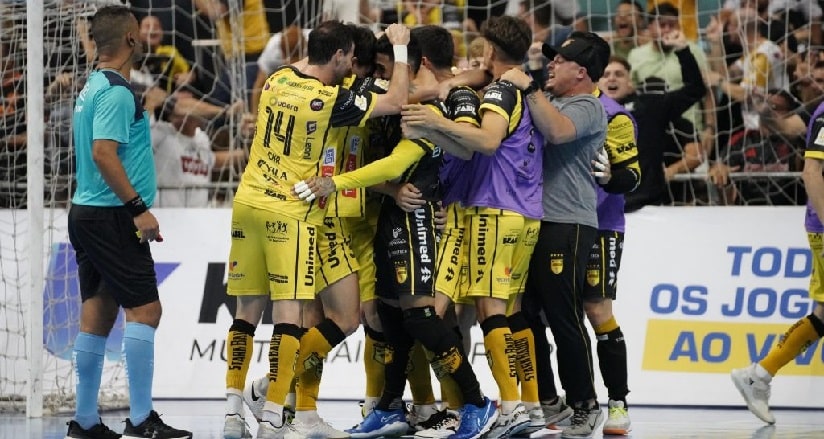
(531, 88)
(136, 206)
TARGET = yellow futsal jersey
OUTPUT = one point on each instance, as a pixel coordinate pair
(299, 121)
(415, 161)
(355, 149)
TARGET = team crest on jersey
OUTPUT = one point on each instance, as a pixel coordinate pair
(819, 139)
(360, 102)
(593, 278)
(316, 104)
(400, 272)
(311, 126)
(556, 263)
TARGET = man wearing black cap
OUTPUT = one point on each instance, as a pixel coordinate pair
(574, 125)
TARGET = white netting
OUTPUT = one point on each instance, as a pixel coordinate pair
(217, 94)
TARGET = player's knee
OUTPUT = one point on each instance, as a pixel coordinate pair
(597, 312)
(148, 314)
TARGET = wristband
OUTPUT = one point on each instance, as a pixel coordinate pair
(399, 50)
(136, 206)
(531, 88)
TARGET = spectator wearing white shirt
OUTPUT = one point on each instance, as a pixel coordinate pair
(285, 47)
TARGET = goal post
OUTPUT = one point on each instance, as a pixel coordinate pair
(34, 198)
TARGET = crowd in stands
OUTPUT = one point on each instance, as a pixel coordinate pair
(762, 62)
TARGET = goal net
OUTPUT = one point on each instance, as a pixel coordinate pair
(761, 169)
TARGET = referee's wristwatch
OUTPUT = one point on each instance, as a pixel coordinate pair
(531, 88)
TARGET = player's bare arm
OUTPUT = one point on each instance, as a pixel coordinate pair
(554, 125)
(397, 94)
(104, 153)
(484, 139)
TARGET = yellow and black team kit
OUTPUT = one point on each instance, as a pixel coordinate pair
(622, 150)
(274, 233)
(345, 239)
(405, 243)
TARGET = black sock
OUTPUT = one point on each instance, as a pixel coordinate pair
(612, 360)
(435, 336)
(543, 362)
(395, 369)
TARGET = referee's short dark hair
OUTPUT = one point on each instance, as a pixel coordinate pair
(109, 25)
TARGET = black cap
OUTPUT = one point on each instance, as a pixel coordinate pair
(587, 49)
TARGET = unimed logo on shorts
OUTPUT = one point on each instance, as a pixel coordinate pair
(61, 304)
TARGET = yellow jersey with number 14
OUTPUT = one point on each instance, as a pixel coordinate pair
(298, 123)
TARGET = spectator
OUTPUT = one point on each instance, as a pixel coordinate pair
(285, 47)
(657, 58)
(162, 64)
(344, 10)
(629, 28)
(763, 149)
(184, 159)
(654, 110)
(253, 31)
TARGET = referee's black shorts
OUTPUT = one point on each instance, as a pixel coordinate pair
(110, 255)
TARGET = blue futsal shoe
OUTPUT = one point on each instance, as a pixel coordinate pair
(476, 421)
(380, 423)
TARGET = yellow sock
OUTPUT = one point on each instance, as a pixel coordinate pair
(451, 394)
(282, 351)
(524, 342)
(313, 349)
(795, 341)
(374, 364)
(420, 381)
(239, 347)
(606, 327)
(502, 360)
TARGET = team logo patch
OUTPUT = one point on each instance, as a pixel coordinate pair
(593, 277)
(819, 138)
(360, 102)
(316, 104)
(556, 264)
(401, 273)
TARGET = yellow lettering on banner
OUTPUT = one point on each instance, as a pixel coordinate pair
(718, 347)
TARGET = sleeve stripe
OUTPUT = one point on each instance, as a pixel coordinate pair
(814, 154)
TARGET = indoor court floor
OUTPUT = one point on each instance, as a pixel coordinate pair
(205, 419)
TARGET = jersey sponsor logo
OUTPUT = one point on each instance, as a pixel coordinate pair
(360, 102)
(311, 126)
(278, 278)
(352, 164)
(316, 104)
(493, 95)
(510, 240)
(426, 274)
(327, 169)
(234, 272)
(421, 232)
(288, 106)
(465, 108)
(624, 148)
(237, 233)
(309, 277)
(480, 248)
(276, 227)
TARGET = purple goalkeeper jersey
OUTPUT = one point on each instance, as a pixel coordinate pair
(611, 206)
(511, 178)
(461, 106)
(815, 149)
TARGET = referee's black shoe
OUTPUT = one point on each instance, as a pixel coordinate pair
(153, 428)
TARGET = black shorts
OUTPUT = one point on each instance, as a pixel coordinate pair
(405, 251)
(109, 255)
(602, 267)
